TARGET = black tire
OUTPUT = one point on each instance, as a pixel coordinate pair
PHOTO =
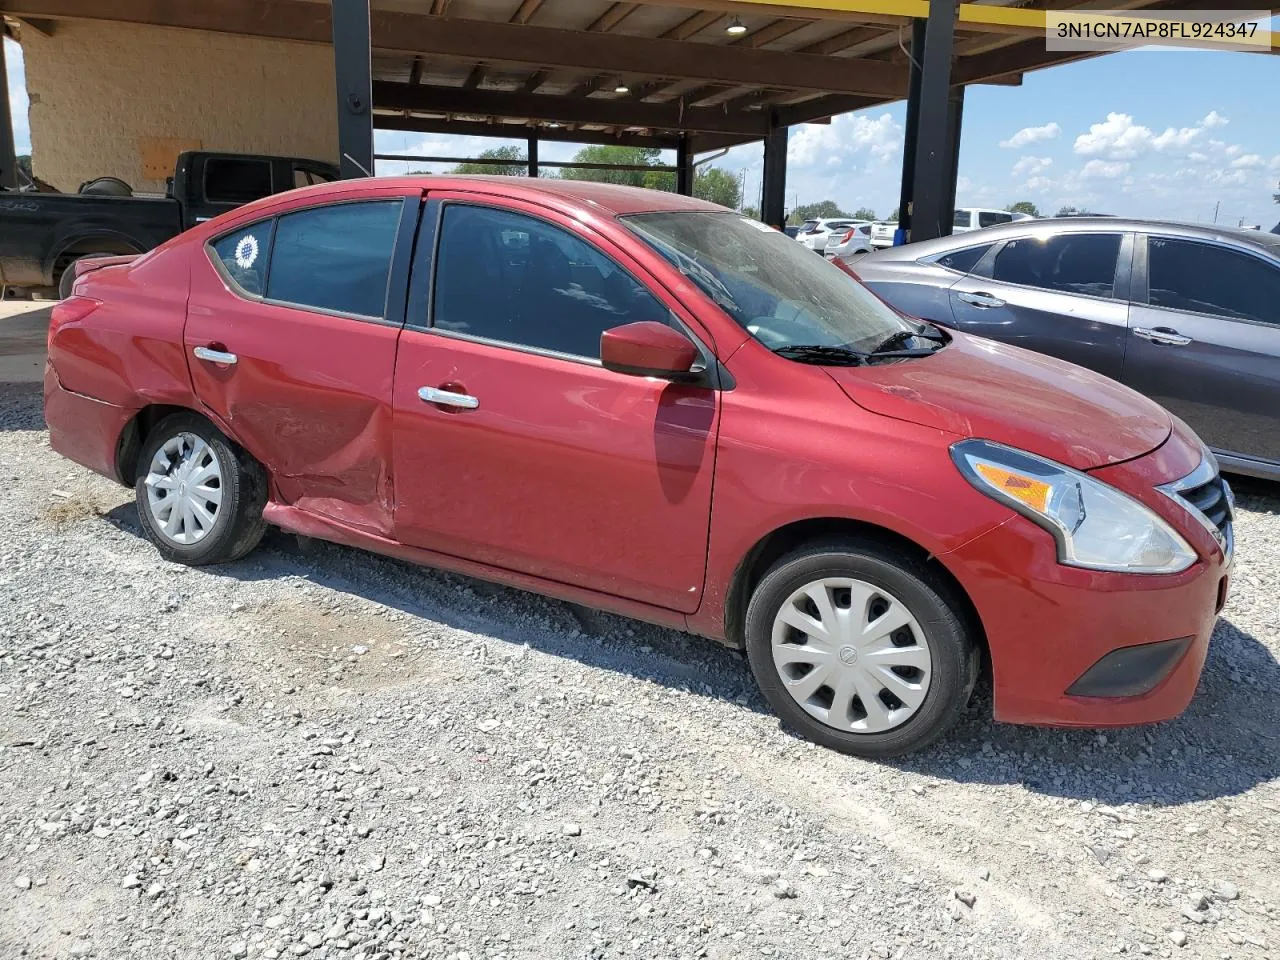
(929, 598)
(68, 277)
(238, 523)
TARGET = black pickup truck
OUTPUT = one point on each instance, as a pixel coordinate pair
(43, 234)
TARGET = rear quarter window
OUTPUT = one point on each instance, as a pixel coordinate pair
(243, 255)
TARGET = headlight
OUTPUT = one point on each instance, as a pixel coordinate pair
(1096, 526)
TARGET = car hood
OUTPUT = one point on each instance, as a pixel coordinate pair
(979, 388)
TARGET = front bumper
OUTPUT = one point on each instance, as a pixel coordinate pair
(1054, 631)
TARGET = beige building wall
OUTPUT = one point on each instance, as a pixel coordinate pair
(111, 99)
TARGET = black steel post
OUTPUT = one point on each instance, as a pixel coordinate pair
(684, 167)
(773, 201)
(533, 157)
(955, 123)
(912, 131)
(930, 215)
(8, 152)
(354, 73)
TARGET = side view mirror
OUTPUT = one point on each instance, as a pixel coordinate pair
(649, 349)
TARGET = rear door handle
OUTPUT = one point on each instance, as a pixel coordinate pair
(214, 356)
(1164, 335)
(447, 398)
(983, 300)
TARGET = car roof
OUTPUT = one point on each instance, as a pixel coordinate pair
(608, 198)
(1268, 243)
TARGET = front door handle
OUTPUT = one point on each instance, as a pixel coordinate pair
(214, 356)
(983, 300)
(447, 398)
(1164, 335)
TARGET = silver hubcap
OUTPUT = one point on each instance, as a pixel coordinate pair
(851, 655)
(184, 489)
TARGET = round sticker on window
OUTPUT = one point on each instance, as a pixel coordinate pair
(246, 251)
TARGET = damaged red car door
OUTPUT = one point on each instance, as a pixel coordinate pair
(290, 344)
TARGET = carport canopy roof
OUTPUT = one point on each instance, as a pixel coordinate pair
(637, 73)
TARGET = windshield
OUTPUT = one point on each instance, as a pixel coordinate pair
(776, 289)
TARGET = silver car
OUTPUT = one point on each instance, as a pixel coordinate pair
(1187, 314)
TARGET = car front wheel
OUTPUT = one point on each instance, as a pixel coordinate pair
(861, 648)
(200, 497)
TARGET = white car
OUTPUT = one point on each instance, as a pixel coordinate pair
(851, 243)
(975, 218)
(815, 233)
(882, 232)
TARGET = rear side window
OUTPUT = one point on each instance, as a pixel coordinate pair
(961, 219)
(335, 258)
(989, 218)
(236, 179)
(244, 254)
(515, 279)
(1082, 263)
(1204, 278)
(964, 260)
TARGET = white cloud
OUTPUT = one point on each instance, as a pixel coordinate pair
(1029, 135)
(1031, 166)
(1120, 138)
(1104, 170)
(1249, 161)
(841, 141)
(1275, 162)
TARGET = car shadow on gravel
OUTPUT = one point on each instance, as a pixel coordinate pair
(592, 638)
(1226, 743)
(21, 406)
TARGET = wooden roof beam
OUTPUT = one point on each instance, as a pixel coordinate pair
(497, 103)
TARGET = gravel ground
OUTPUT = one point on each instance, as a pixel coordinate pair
(318, 752)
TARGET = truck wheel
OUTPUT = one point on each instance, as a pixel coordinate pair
(200, 497)
(861, 648)
(68, 277)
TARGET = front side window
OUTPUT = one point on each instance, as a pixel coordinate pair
(236, 180)
(962, 261)
(516, 279)
(777, 291)
(1081, 263)
(989, 218)
(1205, 278)
(335, 258)
(244, 253)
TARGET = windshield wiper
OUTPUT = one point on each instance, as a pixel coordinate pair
(887, 347)
(817, 353)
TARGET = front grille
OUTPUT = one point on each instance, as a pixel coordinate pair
(1208, 498)
(1211, 500)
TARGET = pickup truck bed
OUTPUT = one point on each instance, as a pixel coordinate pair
(40, 233)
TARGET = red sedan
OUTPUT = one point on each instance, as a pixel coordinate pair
(651, 405)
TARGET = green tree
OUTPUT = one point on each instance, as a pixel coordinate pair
(631, 156)
(24, 163)
(810, 211)
(514, 163)
(893, 217)
(864, 213)
(719, 186)
(1071, 211)
(1024, 206)
(751, 212)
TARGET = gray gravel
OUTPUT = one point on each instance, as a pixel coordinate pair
(321, 753)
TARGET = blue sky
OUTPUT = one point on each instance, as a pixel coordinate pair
(1156, 133)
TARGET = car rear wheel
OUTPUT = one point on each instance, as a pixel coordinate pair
(861, 648)
(200, 497)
